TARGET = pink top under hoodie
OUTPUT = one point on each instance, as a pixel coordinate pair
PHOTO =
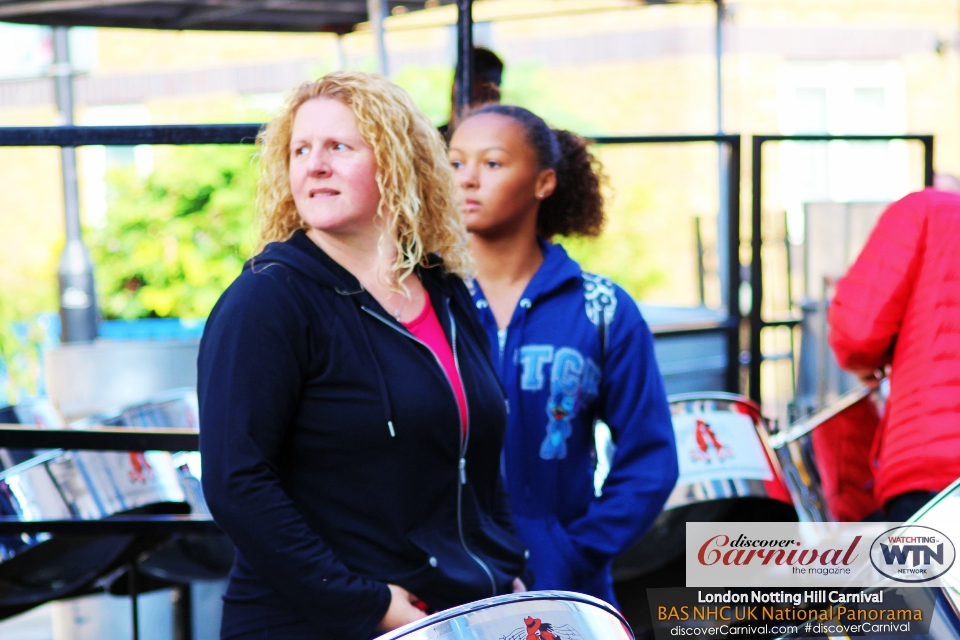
(426, 328)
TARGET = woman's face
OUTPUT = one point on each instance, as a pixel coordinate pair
(498, 174)
(333, 172)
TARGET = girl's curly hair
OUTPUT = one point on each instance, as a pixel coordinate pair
(418, 197)
(575, 208)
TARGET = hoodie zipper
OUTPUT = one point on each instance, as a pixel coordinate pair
(464, 441)
(464, 433)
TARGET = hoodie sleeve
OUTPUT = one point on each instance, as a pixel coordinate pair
(644, 469)
(254, 357)
(868, 307)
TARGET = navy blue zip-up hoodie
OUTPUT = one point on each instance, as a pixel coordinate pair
(557, 382)
(332, 450)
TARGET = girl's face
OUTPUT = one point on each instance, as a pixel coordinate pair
(501, 182)
(333, 172)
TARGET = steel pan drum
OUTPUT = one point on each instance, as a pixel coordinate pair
(534, 615)
(826, 459)
(728, 472)
(182, 557)
(57, 484)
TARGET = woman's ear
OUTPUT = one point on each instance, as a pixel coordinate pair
(546, 184)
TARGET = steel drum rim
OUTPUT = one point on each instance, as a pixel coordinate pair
(495, 601)
(714, 395)
(799, 429)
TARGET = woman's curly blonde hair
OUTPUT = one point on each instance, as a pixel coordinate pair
(418, 197)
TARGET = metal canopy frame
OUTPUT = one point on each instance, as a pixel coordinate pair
(304, 16)
(757, 322)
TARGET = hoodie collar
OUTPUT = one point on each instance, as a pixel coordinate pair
(557, 271)
(303, 255)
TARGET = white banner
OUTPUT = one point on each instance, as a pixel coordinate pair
(834, 554)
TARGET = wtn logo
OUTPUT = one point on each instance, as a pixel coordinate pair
(912, 553)
(922, 554)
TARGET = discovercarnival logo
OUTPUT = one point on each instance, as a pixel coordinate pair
(912, 553)
(744, 551)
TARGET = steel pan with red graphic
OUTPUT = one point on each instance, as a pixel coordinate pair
(728, 472)
(826, 459)
(182, 557)
(534, 615)
(57, 484)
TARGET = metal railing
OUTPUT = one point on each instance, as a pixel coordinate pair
(757, 322)
(135, 439)
(730, 326)
(75, 136)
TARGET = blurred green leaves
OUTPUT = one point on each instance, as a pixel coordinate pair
(19, 353)
(174, 240)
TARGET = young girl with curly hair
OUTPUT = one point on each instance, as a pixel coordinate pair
(352, 422)
(570, 347)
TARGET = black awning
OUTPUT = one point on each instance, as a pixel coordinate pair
(336, 16)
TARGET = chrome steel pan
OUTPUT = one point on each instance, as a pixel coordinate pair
(523, 616)
(728, 471)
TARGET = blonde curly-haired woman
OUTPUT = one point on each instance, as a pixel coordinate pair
(352, 422)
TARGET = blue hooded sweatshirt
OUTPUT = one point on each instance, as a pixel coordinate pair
(557, 383)
(333, 455)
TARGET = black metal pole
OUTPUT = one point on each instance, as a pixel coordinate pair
(927, 161)
(756, 269)
(78, 303)
(183, 612)
(734, 268)
(464, 75)
(134, 607)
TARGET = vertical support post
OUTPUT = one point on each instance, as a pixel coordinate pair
(927, 161)
(701, 271)
(78, 303)
(756, 269)
(376, 12)
(183, 612)
(134, 605)
(718, 59)
(465, 71)
(341, 54)
(734, 268)
(723, 214)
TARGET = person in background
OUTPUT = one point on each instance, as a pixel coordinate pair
(897, 309)
(488, 76)
(570, 347)
(352, 420)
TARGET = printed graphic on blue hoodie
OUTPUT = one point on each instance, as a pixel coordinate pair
(557, 383)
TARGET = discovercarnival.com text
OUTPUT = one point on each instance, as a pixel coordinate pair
(818, 628)
(725, 629)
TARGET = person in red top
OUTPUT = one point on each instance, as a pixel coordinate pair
(898, 309)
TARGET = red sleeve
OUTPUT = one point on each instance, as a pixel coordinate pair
(867, 310)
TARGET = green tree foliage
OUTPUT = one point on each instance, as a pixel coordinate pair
(19, 353)
(174, 240)
(619, 251)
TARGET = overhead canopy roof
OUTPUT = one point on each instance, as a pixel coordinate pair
(337, 16)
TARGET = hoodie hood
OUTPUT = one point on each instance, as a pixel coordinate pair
(304, 256)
